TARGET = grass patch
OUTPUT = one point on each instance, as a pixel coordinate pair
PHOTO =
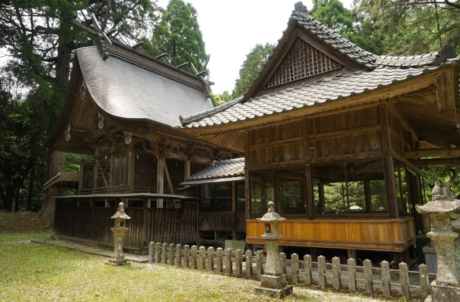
(23, 222)
(38, 272)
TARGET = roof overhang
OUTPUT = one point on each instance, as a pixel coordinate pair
(214, 180)
(63, 180)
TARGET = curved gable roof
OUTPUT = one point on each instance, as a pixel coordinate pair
(127, 91)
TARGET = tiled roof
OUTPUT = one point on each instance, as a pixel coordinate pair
(330, 37)
(408, 61)
(221, 169)
(326, 90)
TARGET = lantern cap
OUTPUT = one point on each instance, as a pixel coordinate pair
(121, 212)
(271, 216)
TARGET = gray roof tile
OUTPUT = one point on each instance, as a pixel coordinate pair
(326, 90)
(221, 169)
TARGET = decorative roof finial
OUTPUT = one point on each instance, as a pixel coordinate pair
(299, 7)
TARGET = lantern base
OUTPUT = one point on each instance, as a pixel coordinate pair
(117, 261)
(274, 293)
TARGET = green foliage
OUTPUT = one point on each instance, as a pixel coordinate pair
(40, 38)
(73, 161)
(178, 34)
(441, 174)
(252, 66)
(405, 27)
(334, 15)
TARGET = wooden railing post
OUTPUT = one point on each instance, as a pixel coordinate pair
(210, 259)
(424, 281)
(248, 264)
(193, 257)
(202, 258)
(404, 280)
(178, 256)
(219, 260)
(385, 274)
(322, 271)
(186, 256)
(307, 271)
(151, 251)
(228, 262)
(368, 282)
(294, 267)
(351, 264)
(336, 272)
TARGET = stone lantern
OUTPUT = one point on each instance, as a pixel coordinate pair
(273, 281)
(446, 286)
(119, 231)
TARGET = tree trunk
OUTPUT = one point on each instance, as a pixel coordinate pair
(31, 188)
(9, 194)
(16, 199)
(55, 160)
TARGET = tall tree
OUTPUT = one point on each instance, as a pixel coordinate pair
(40, 38)
(412, 27)
(178, 34)
(252, 66)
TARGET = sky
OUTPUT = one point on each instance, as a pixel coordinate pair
(232, 28)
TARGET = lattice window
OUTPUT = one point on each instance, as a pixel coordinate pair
(302, 61)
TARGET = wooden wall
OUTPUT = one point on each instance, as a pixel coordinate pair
(346, 134)
(379, 235)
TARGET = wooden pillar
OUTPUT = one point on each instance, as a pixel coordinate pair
(352, 254)
(309, 193)
(96, 161)
(390, 186)
(131, 168)
(160, 181)
(187, 168)
(145, 228)
(247, 191)
(234, 210)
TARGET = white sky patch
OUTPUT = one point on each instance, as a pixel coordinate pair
(232, 28)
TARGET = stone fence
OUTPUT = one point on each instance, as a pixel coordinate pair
(367, 278)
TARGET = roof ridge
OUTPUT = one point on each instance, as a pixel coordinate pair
(191, 118)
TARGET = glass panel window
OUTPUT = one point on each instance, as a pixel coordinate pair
(222, 197)
(378, 195)
(216, 197)
(349, 188)
(262, 191)
(291, 193)
(240, 196)
(206, 195)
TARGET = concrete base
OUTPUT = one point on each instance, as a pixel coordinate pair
(444, 293)
(275, 282)
(117, 261)
(274, 293)
(430, 259)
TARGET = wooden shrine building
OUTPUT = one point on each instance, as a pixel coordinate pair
(331, 134)
(123, 107)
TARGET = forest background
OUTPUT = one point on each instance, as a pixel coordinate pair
(40, 38)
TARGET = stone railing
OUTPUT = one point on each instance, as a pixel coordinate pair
(367, 278)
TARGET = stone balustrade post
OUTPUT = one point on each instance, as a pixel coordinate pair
(219, 260)
(151, 251)
(336, 273)
(210, 259)
(294, 268)
(193, 257)
(248, 264)
(368, 282)
(171, 254)
(228, 262)
(202, 258)
(163, 253)
(404, 280)
(351, 266)
(186, 256)
(178, 255)
(322, 271)
(283, 262)
(385, 274)
(307, 271)
(157, 252)
(424, 281)
(238, 263)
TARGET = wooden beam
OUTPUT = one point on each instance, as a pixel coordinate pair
(102, 174)
(168, 179)
(446, 152)
(407, 163)
(437, 161)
